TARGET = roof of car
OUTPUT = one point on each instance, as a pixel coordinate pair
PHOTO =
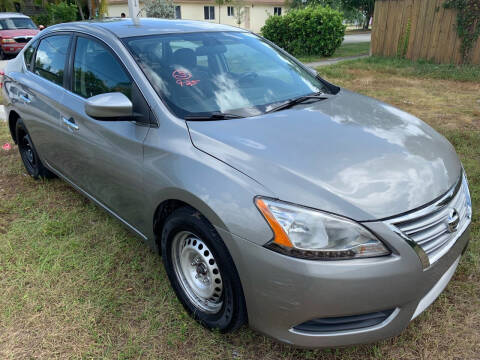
(146, 26)
(7, 15)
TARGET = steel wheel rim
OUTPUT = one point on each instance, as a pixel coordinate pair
(197, 272)
(27, 151)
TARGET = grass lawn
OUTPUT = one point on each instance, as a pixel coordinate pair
(75, 284)
(344, 50)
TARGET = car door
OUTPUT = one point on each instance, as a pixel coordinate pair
(104, 157)
(39, 92)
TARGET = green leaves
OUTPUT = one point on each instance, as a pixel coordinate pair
(308, 31)
(468, 23)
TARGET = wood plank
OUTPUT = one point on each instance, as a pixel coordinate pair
(381, 28)
(376, 15)
(456, 41)
(420, 29)
(451, 38)
(442, 35)
(415, 19)
(457, 50)
(476, 54)
(427, 30)
(388, 27)
(396, 26)
(375, 28)
(400, 28)
(391, 26)
(436, 27)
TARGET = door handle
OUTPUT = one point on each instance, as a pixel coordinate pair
(25, 99)
(70, 124)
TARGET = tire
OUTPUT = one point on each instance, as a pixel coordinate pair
(29, 155)
(202, 272)
(2, 55)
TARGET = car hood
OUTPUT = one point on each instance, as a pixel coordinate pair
(18, 32)
(350, 155)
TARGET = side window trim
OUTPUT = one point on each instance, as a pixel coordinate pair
(65, 69)
(70, 60)
(71, 63)
(29, 66)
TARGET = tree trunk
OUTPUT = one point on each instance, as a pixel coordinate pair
(80, 9)
(367, 21)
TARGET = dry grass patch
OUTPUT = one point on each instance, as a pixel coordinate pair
(441, 103)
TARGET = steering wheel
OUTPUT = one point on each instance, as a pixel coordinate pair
(248, 76)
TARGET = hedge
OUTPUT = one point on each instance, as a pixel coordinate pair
(309, 31)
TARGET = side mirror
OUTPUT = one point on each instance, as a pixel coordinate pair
(109, 106)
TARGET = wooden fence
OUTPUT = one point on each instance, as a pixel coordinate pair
(418, 29)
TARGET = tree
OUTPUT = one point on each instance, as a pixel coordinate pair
(9, 5)
(102, 8)
(159, 9)
(365, 6)
(220, 3)
(238, 11)
(80, 10)
(61, 13)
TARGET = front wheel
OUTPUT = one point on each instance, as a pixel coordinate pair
(202, 272)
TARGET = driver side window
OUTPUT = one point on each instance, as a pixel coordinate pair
(97, 71)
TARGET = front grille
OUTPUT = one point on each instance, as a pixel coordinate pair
(435, 228)
(22, 39)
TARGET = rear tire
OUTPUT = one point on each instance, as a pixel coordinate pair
(202, 272)
(29, 155)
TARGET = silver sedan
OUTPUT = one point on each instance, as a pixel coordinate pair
(319, 216)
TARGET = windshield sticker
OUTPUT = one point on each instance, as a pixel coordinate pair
(183, 78)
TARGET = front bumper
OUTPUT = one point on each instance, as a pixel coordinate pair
(282, 292)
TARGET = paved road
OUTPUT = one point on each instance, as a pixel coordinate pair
(3, 63)
(357, 38)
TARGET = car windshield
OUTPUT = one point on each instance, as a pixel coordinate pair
(198, 74)
(17, 23)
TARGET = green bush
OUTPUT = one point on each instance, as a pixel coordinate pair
(309, 31)
(56, 14)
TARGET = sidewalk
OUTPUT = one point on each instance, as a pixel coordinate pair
(334, 61)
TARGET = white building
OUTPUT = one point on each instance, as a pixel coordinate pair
(251, 14)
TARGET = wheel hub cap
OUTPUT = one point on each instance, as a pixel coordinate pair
(197, 271)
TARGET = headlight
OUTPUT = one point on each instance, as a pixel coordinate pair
(312, 234)
(8, 41)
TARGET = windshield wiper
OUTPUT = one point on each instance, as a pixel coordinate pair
(298, 100)
(213, 116)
